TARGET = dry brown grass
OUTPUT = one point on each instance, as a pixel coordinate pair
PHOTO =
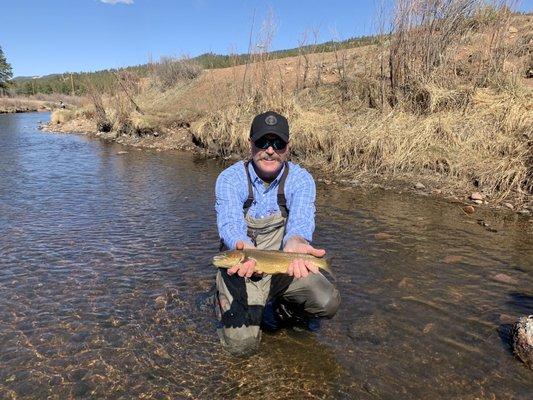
(459, 116)
(20, 104)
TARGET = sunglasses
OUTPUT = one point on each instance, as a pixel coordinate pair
(276, 143)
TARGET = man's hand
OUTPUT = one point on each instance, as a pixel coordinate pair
(247, 268)
(300, 268)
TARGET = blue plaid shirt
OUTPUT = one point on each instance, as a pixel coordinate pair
(231, 192)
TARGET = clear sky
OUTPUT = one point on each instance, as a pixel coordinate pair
(40, 37)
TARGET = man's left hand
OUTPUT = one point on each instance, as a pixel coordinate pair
(300, 268)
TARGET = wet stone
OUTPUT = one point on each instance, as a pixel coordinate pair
(469, 209)
(78, 374)
(80, 389)
(373, 329)
(503, 278)
(428, 328)
(405, 283)
(506, 319)
(79, 337)
(452, 259)
(160, 302)
(28, 388)
(522, 340)
(383, 236)
(56, 380)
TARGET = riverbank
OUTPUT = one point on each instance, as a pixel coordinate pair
(40, 103)
(463, 132)
(182, 138)
(10, 105)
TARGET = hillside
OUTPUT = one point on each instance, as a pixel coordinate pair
(76, 82)
(455, 116)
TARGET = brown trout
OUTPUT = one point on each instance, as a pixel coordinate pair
(267, 261)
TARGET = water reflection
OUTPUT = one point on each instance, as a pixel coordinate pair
(105, 267)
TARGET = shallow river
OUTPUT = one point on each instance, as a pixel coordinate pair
(90, 237)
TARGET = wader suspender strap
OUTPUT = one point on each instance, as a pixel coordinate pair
(282, 201)
(248, 203)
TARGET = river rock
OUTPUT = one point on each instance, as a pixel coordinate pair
(522, 340)
(160, 302)
(405, 282)
(419, 186)
(428, 328)
(370, 328)
(503, 278)
(452, 259)
(469, 209)
(507, 319)
(477, 196)
(478, 201)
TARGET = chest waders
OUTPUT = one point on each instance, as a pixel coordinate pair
(241, 301)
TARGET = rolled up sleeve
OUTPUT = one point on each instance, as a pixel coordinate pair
(301, 204)
(229, 199)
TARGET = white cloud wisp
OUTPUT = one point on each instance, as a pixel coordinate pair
(117, 1)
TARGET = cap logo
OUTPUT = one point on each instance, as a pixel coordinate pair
(271, 120)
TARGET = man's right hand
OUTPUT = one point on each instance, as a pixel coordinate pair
(247, 268)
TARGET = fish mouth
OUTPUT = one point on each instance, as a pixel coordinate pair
(217, 260)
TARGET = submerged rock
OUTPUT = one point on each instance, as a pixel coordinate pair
(522, 340)
(469, 209)
(503, 278)
(160, 302)
(383, 236)
(452, 259)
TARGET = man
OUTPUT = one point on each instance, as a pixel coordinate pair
(268, 203)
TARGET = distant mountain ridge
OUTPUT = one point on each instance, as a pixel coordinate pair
(72, 82)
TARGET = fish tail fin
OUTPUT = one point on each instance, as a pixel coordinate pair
(327, 266)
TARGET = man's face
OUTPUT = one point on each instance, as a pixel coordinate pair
(269, 161)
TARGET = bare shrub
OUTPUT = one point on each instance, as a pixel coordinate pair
(423, 31)
(426, 46)
(170, 71)
(103, 124)
(61, 116)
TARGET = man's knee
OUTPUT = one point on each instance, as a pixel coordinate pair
(323, 299)
(327, 302)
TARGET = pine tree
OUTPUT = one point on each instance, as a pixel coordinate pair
(6, 73)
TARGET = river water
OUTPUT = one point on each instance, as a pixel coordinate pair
(105, 274)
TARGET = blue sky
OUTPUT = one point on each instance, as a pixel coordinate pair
(46, 36)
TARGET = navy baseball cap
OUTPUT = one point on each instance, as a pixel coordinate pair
(269, 122)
